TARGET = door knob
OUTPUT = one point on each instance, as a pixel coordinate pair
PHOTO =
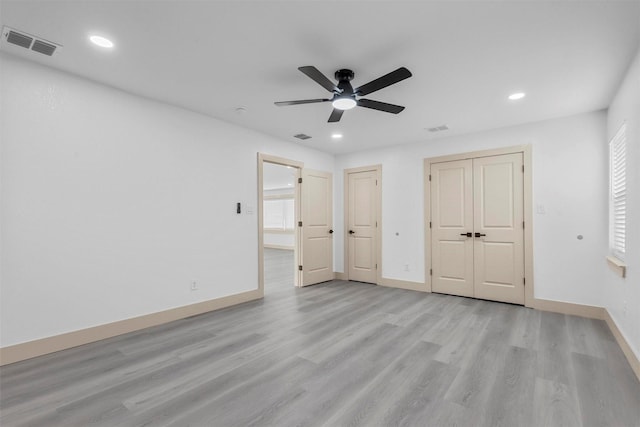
(330, 231)
(466, 234)
(480, 234)
(352, 232)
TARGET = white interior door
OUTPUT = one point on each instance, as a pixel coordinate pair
(317, 227)
(498, 224)
(477, 232)
(452, 227)
(361, 227)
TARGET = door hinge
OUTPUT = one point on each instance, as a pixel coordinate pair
(376, 266)
(300, 267)
(376, 182)
(524, 281)
(299, 223)
(522, 224)
(376, 224)
(523, 168)
(429, 177)
(429, 224)
(431, 272)
(299, 180)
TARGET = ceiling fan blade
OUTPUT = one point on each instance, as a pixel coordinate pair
(335, 115)
(302, 101)
(319, 78)
(384, 81)
(381, 106)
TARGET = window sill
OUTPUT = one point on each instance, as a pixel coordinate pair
(617, 266)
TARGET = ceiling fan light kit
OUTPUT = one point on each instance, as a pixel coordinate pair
(344, 103)
(345, 97)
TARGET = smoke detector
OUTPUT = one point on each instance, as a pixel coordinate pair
(29, 41)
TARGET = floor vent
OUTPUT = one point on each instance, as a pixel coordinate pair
(302, 136)
(28, 41)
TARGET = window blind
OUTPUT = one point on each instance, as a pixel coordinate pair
(618, 193)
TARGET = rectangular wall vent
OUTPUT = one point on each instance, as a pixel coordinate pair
(302, 136)
(28, 41)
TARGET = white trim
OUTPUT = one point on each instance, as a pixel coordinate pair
(28, 350)
(284, 162)
(403, 284)
(632, 357)
(618, 266)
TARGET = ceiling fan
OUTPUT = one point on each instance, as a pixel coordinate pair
(344, 95)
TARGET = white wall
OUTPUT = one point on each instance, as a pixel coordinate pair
(112, 204)
(569, 178)
(619, 293)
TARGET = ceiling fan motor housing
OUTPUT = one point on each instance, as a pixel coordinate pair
(344, 74)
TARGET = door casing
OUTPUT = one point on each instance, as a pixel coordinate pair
(378, 207)
(528, 211)
(285, 162)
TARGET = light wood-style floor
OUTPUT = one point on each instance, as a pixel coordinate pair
(337, 354)
(279, 270)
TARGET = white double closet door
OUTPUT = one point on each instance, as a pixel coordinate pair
(477, 228)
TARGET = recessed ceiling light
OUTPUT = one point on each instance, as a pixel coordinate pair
(336, 135)
(101, 41)
(290, 184)
(517, 95)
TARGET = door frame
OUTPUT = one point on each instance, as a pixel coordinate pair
(528, 210)
(262, 158)
(378, 170)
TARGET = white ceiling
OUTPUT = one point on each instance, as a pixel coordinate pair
(466, 57)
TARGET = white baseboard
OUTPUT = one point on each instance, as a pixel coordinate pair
(593, 312)
(339, 275)
(404, 284)
(589, 311)
(28, 350)
(634, 359)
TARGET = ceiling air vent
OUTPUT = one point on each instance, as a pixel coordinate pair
(43, 47)
(302, 136)
(19, 39)
(438, 128)
(28, 41)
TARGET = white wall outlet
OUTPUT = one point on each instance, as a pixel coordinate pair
(194, 285)
(249, 210)
(406, 267)
(541, 210)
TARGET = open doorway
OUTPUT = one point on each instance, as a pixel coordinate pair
(279, 226)
(279, 215)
